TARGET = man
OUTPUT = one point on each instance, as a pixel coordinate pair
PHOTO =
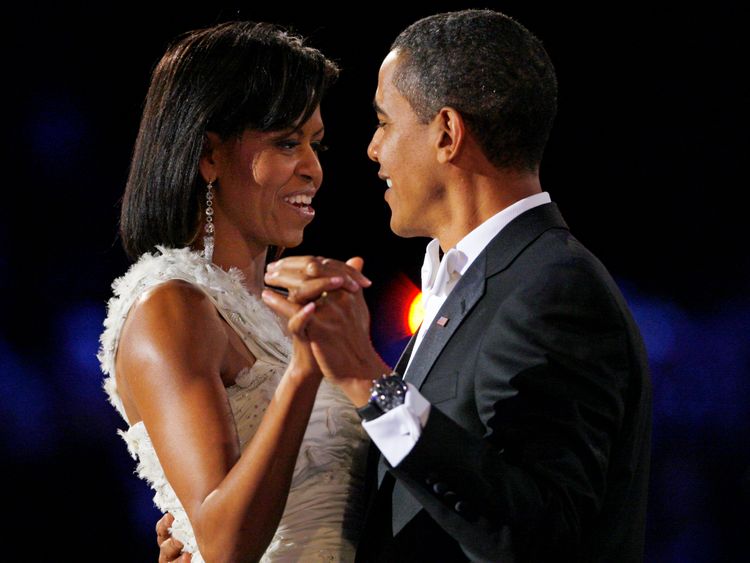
(523, 431)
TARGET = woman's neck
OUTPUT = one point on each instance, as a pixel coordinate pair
(250, 260)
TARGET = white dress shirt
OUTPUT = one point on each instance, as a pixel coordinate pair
(396, 431)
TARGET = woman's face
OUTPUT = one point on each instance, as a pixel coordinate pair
(265, 183)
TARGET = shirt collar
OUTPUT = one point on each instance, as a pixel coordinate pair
(475, 242)
(472, 245)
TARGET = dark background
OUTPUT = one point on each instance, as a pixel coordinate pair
(644, 162)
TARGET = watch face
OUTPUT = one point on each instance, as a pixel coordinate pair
(389, 392)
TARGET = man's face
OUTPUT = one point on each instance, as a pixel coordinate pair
(406, 151)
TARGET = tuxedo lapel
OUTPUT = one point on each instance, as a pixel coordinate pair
(498, 254)
(461, 300)
(403, 360)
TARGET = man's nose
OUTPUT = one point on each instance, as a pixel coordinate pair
(372, 148)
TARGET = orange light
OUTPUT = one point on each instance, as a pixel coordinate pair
(416, 313)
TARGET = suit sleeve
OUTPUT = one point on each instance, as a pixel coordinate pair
(550, 378)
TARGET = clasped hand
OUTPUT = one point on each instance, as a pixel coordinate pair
(325, 307)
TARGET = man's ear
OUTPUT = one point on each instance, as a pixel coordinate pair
(451, 133)
(209, 162)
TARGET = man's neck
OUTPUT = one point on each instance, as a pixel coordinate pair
(475, 198)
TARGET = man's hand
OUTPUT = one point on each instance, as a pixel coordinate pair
(170, 550)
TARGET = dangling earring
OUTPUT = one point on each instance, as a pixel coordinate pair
(208, 237)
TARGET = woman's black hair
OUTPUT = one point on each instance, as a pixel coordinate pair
(225, 79)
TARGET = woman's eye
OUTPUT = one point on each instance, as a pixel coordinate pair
(318, 147)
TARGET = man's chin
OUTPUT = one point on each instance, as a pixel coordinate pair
(395, 226)
(402, 230)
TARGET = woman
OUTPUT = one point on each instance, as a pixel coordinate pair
(228, 419)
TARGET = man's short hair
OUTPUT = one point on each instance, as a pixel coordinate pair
(491, 69)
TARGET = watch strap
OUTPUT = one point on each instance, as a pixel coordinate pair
(369, 412)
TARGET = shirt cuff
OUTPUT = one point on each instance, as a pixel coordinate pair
(396, 431)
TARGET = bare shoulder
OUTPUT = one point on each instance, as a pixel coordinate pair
(173, 291)
(173, 323)
(177, 303)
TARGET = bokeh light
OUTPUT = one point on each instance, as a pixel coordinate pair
(415, 314)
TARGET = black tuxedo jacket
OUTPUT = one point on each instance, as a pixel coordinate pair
(537, 445)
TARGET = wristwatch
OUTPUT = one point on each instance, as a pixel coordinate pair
(386, 393)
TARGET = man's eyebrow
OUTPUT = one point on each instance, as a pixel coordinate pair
(378, 109)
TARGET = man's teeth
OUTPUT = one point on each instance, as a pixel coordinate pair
(389, 182)
(299, 199)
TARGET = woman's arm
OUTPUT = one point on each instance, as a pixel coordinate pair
(171, 355)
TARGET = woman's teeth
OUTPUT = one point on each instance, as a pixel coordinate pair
(299, 199)
(389, 182)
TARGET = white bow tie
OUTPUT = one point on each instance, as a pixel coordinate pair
(439, 276)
